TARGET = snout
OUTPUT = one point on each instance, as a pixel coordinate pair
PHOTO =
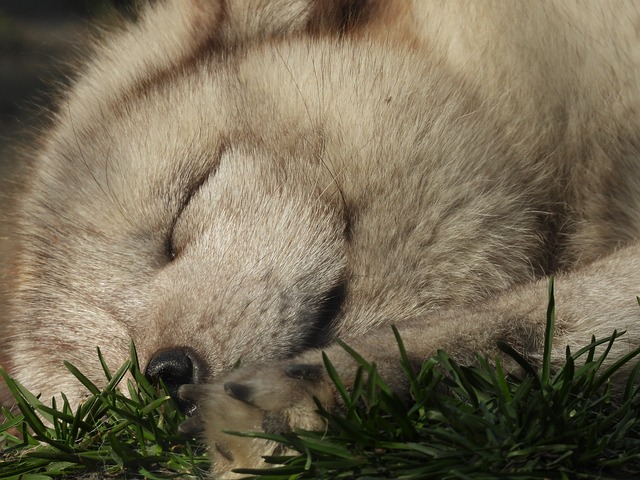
(176, 367)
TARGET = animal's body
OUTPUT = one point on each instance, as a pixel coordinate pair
(246, 181)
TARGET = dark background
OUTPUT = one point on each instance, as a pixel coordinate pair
(39, 40)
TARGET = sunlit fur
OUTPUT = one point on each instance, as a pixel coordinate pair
(325, 169)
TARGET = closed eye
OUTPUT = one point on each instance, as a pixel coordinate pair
(172, 248)
(211, 165)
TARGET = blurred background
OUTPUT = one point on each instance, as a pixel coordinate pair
(39, 39)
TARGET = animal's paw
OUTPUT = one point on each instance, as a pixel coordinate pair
(273, 399)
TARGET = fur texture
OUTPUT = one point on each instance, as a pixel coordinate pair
(247, 180)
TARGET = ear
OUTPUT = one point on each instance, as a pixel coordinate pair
(169, 30)
(165, 34)
(371, 17)
(250, 20)
(169, 33)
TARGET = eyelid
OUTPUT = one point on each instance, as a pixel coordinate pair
(192, 188)
(172, 251)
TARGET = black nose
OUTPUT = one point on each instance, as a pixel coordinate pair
(175, 367)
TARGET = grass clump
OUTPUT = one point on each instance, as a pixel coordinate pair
(464, 422)
(109, 434)
(476, 422)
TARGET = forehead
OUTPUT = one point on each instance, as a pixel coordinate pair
(156, 139)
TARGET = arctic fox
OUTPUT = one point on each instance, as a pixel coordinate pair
(244, 181)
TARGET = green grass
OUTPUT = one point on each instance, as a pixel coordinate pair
(465, 422)
(118, 436)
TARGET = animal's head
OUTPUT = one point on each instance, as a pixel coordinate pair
(238, 181)
(183, 200)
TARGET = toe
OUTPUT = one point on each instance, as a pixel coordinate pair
(192, 427)
(239, 391)
(192, 393)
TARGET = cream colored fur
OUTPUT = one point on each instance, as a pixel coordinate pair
(252, 179)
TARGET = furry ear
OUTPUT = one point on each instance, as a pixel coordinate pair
(169, 33)
(250, 20)
(165, 34)
(377, 17)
